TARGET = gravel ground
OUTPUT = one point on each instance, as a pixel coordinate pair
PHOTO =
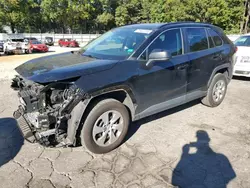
(188, 145)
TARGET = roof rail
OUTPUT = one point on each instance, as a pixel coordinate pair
(182, 22)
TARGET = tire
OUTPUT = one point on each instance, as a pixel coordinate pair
(6, 52)
(105, 108)
(27, 51)
(214, 98)
(60, 45)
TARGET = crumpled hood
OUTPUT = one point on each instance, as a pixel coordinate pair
(61, 67)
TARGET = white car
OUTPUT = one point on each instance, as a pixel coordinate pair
(16, 45)
(242, 56)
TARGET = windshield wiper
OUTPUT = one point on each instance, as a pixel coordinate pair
(81, 53)
(90, 56)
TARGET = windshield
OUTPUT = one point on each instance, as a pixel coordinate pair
(243, 41)
(36, 42)
(17, 40)
(116, 44)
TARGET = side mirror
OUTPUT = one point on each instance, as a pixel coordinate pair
(158, 55)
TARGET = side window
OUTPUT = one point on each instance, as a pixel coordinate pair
(197, 39)
(248, 41)
(170, 40)
(211, 41)
(216, 38)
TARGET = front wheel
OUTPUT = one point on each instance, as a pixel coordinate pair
(216, 91)
(105, 126)
(28, 51)
(6, 52)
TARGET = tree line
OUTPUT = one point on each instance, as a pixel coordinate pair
(92, 16)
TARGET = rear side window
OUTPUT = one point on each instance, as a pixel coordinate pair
(217, 41)
(197, 39)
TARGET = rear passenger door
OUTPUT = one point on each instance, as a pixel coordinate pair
(203, 57)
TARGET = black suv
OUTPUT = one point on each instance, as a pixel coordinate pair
(91, 96)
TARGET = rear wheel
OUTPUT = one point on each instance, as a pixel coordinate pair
(216, 91)
(105, 126)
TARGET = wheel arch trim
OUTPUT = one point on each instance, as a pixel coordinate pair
(81, 109)
(227, 66)
(129, 100)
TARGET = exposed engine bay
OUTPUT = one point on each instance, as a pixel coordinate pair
(44, 110)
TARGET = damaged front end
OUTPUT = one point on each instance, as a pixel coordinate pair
(46, 110)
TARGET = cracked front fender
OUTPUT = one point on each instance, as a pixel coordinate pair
(75, 120)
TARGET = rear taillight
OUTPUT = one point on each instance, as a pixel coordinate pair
(235, 49)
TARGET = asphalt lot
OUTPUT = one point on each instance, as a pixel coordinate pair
(190, 144)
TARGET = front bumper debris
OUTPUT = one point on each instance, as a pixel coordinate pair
(24, 127)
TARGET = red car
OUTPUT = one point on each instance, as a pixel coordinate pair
(68, 43)
(37, 46)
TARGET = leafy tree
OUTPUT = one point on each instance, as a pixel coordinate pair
(122, 16)
(101, 15)
(106, 20)
(106, 16)
(13, 13)
(34, 21)
(168, 11)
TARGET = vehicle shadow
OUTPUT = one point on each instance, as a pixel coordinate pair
(134, 127)
(202, 167)
(50, 51)
(11, 140)
(241, 78)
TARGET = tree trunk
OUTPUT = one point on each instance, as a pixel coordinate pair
(243, 17)
(12, 26)
(247, 17)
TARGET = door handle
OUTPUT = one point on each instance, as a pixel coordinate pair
(181, 67)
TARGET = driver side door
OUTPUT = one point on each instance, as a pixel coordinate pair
(162, 85)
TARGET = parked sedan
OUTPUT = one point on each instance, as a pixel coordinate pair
(16, 45)
(242, 56)
(68, 43)
(37, 46)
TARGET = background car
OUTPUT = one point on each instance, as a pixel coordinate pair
(16, 45)
(242, 56)
(37, 46)
(68, 43)
(29, 38)
(49, 41)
